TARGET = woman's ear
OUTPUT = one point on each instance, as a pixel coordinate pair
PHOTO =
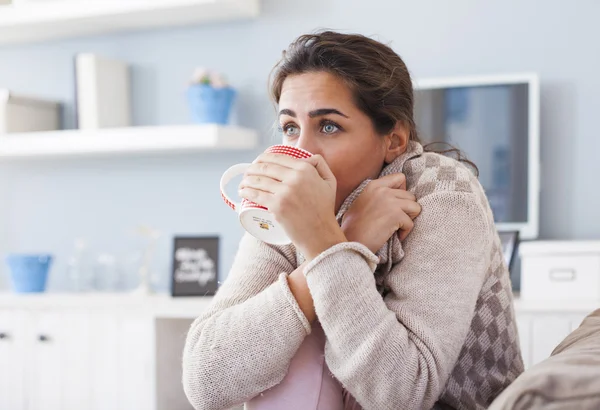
(396, 142)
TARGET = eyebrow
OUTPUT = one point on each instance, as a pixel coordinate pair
(316, 113)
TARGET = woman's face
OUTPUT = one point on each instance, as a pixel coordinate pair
(317, 113)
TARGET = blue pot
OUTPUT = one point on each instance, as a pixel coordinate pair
(210, 105)
(29, 273)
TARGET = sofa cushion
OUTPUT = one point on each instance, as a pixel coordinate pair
(568, 379)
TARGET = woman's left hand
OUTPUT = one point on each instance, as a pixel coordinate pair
(301, 195)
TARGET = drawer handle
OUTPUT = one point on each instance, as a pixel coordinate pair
(3, 336)
(43, 338)
(563, 275)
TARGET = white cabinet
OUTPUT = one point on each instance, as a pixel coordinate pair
(525, 339)
(12, 354)
(556, 271)
(90, 352)
(104, 352)
(548, 332)
(75, 360)
(542, 326)
(136, 363)
(44, 362)
(104, 343)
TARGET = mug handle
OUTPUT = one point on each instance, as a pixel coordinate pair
(228, 175)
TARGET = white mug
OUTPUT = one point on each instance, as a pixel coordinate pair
(257, 219)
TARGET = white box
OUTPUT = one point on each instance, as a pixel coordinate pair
(26, 114)
(102, 92)
(560, 270)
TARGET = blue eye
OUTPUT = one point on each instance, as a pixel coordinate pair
(290, 130)
(330, 128)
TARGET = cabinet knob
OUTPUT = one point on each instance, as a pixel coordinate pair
(3, 336)
(43, 338)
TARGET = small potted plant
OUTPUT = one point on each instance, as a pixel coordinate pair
(210, 98)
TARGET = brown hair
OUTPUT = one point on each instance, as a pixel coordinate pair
(377, 76)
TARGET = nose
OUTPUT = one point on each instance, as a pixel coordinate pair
(308, 142)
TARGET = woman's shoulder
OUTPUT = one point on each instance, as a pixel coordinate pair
(431, 172)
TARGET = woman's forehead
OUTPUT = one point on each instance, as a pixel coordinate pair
(307, 92)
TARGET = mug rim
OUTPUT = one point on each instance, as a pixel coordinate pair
(290, 147)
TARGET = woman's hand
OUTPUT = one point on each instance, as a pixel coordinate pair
(384, 207)
(301, 195)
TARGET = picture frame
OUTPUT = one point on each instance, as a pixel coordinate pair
(195, 269)
(510, 243)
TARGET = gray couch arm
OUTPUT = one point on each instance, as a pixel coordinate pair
(569, 379)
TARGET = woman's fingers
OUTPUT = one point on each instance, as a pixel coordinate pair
(279, 159)
(402, 194)
(257, 196)
(269, 169)
(306, 164)
(397, 181)
(261, 183)
(406, 225)
(410, 207)
(322, 168)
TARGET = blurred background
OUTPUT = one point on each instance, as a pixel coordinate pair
(118, 118)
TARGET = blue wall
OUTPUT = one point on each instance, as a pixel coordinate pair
(46, 204)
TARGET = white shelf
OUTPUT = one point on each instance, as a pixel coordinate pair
(157, 305)
(53, 19)
(126, 141)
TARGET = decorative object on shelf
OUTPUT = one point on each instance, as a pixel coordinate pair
(102, 92)
(107, 273)
(29, 272)
(210, 98)
(27, 114)
(78, 272)
(151, 236)
(195, 266)
(510, 242)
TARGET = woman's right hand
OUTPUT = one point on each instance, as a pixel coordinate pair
(382, 209)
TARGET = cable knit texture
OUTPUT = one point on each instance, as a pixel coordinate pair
(427, 323)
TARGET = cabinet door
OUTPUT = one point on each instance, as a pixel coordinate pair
(45, 367)
(12, 358)
(524, 329)
(576, 321)
(60, 367)
(137, 364)
(76, 353)
(547, 332)
(105, 367)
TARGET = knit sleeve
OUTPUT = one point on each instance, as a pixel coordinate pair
(243, 343)
(398, 352)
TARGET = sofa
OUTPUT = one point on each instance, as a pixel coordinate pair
(568, 380)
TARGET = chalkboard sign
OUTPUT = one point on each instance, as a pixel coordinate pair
(195, 266)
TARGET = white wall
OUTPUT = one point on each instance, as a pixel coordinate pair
(54, 202)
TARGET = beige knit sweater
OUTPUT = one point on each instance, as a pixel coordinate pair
(428, 323)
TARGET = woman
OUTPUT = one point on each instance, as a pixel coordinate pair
(406, 321)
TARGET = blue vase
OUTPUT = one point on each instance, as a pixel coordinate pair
(210, 105)
(29, 273)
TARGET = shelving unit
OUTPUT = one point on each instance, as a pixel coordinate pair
(46, 20)
(157, 305)
(126, 141)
